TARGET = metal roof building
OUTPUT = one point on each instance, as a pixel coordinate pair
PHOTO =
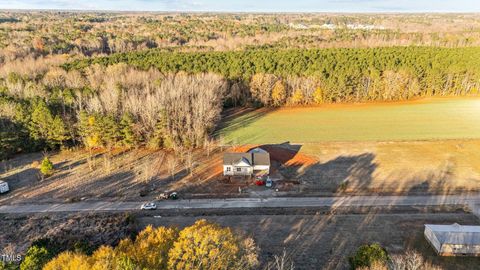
(454, 240)
(4, 186)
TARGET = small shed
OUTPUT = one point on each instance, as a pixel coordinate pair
(454, 239)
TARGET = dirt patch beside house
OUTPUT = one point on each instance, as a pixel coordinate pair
(323, 169)
(363, 168)
(285, 154)
(118, 175)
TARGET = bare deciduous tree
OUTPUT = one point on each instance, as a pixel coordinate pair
(281, 262)
(107, 162)
(189, 161)
(172, 165)
(209, 145)
(152, 167)
(410, 260)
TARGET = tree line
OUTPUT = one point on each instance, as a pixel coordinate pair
(175, 100)
(345, 75)
(109, 107)
(24, 34)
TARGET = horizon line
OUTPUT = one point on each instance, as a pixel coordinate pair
(236, 12)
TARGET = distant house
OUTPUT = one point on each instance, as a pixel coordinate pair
(454, 240)
(255, 161)
(328, 26)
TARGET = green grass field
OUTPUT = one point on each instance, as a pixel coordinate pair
(452, 118)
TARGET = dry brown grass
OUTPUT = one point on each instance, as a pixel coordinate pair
(18, 231)
(421, 167)
(444, 166)
(325, 240)
(138, 174)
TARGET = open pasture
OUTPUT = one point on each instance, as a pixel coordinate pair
(441, 118)
(425, 146)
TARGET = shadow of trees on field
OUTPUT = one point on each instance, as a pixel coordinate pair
(324, 238)
(235, 119)
(359, 174)
(97, 175)
(441, 179)
(336, 236)
(340, 174)
(283, 152)
(136, 173)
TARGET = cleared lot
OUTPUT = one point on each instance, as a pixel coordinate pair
(325, 240)
(360, 168)
(412, 167)
(120, 175)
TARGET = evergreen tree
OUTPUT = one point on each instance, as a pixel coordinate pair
(367, 255)
(160, 137)
(8, 266)
(35, 258)
(129, 138)
(110, 132)
(46, 127)
(46, 168)
(41, 121)
(97, 130)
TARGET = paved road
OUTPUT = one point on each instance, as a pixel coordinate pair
(275, 202)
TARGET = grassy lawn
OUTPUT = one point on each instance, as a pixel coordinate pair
(444, 118)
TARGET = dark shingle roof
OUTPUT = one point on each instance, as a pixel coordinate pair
(234, 158)
(261, 159)
(251, 158)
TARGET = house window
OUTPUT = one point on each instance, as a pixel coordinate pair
(239, 169)
(229, 169)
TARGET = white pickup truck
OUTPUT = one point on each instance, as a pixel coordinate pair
(4, 187)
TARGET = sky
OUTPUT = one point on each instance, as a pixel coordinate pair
(251, 5)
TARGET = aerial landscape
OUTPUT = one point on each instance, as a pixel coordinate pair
(239, 135)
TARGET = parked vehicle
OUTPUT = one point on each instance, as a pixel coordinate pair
(173, 195)
(4, 187)
(163, 196)
(259, 182)
(167, 195)
(148, 206)
(269, 182)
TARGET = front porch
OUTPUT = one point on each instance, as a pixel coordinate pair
(237, 170)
